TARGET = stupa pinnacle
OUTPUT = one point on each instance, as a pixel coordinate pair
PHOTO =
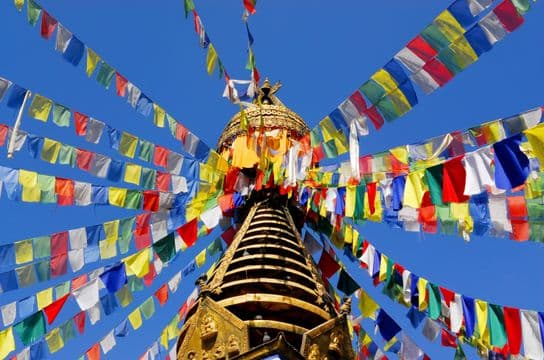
(266, 298)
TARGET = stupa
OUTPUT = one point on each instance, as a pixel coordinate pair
(266, 298)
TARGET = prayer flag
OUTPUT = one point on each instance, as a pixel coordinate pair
(31, 329)
(53, 309)
(92, 61)
(33, 11)
(135, 319)
(48, 25)
(211, 59)
(40, 107)
(50, 150)
(105, 75)
(7, 342)
(61, 115)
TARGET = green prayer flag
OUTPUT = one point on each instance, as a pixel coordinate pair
(26, 276)
(496, 326)
(373, 91)
(459, 354)
(61, 115)
(41, 247)
(68, 330)
(62, 289)
(434, 176)
(452, 62)
(149, 177)
(522, 6)
(127, 145)
(171, 124)
(329, 148)
(148, 308)
(434, 301)
(135, 283)
(105, 74)
(346, 284)
(388, 109)
(188, 6)
(31, 329)
(165, 248)
(33, 11)
(434, 37)
(315, 137)
(125, 231)
(215, 247)
(133, 200)
(67, 155)
(124, 295)
(146, 150)
(359, 201)
(43, 270)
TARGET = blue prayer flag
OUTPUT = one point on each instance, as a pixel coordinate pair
(74, 51)
(469, 315)
(114, 278)
(16, 97)
(387, 326)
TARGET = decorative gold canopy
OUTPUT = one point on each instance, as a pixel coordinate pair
(267, 112)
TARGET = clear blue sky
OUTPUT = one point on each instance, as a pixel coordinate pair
(321, 51)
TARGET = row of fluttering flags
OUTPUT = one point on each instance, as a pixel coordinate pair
(401, 159)
(42, 108)
(490, 327)
(329, 265)
(455, 39)
(119, 280)
(73, 50)
(493, 190)
(235, 90)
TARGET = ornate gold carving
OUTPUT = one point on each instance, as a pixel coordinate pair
(314, 353)
(346, 306)
(220, 352)
(336, 340)
(191, 355)
(208, 328)
(233, 345)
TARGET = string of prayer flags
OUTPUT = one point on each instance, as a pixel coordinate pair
(451, 43)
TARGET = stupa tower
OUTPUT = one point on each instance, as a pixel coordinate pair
(265, 299)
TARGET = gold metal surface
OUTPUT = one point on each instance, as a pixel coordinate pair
(278, 325)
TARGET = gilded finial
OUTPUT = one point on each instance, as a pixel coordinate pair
(267, 93)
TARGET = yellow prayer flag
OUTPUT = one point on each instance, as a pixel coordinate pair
(44, 298)
(449, 26)
(172, 328)
(135, 319)
(367, 340)
(138, 264)
(133, 172)
(367, 305)
(54, 340)
(414, 189)
(348, 234)
(536, 139)
(40, 107)
(400, 153)
(341, 142)
(390, 343)
(158, 115)
(50, 150)
(464, 53)
(422, 290)
(211, 59)
(377, 215)
(385, 80)
(481, 316)
(327, 129)
(117, 196)
(210, 270)
(23, 251)
(7, 342)
(127, 145)
(92, 60)
(111, 229)
(28, 178)
(108, 249)
(19, 5)
(201, 258)
(399, 100)
(351, 193)
(31, 194)
(382, 276)
(164, 338)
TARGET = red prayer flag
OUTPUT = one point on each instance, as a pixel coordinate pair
(189, 232)
(79, 320)
(520, 230)
(374, 116)
(4, 129)
(449, 339)
(160, 157)
(59, 243)
(120, 84)
(517, 207)
(142, 223)
(94, 352)
(508, 15)
(150, 276)
(454, 178)
(318, 154)
(79, 282)
(371, 189)
(53, 309)
(181, 132)
(250, 6)
(142, 240)
(226, 202)
(358, 101)
(162, 181)
(64, 188)
(81, 121)
(151, 200)
(162, 294)
(48, 25)
(58, 265)
(512, 324)
(447, 295)
(422, 49)
(228, 235)
(84, 159)
(365, 164)
(230, 180)
(438, 71)
(327, 264)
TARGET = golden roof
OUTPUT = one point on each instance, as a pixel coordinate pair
(268, 112)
